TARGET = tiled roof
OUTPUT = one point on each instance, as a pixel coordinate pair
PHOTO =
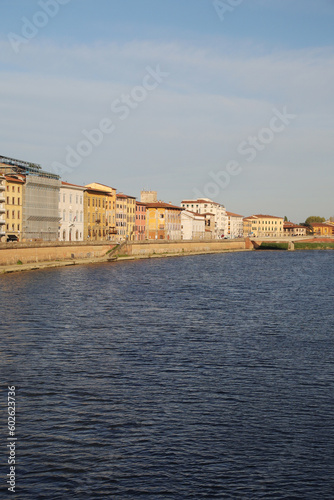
(74, 185)
(161, 204)
(231, 214)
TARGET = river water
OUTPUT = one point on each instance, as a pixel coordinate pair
(181, 378)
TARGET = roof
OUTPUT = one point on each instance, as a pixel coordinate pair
(122, 195)
(161, 204)
(14, 179)
(73, 185)
(321, 224)
(201, 201)
(140, 203)
(95, 190)
(194, 213)
(292, 225)
(261, 216)
(231, 214)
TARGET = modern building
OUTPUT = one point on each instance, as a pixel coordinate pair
(192, 225)
(2, 208)
(263, 226)
(291, 229)
(205, 205)
(322, 229)
(71, 212)
(40, 199)
(235, 226)
(163, 221)
(140, 227)
(14, 203)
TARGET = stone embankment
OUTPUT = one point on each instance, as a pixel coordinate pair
(28, 256)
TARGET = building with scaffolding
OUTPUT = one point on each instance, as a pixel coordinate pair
(40, 199)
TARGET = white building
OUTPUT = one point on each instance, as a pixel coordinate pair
(192, 225)
(207, 206)
(235, 225)
(71, 212)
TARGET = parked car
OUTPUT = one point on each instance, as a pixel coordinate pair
(12, 237)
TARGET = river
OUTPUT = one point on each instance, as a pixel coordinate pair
(196, 377)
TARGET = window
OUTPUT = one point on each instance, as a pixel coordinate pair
(70, 198)
(7, 190)
(7, 200)
(77, 200)
(18, 189)
(18, 227)
(7, 214)
(80, 220)
(13, 227)
(13, 189)
(70, 216)
(80, 204)
(64, 215)
(88, 202)
(18, 214)
(13, 214)
(64, 197)
(19, 201)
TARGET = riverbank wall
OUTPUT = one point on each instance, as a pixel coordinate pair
(27, 256)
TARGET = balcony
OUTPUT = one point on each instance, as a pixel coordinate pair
(2, 187)
(2, 210)
(2, 233)
(2, 199)
(2, 222)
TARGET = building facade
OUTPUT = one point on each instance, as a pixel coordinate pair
(125, 216)
(2, 208)
(263, 226)
(163, 221)
(322, 229)
(140, 226)
(192, 225)
(71, 212)
(235, 226)
(110, 208)
(14, 202)
(291, 229)
(204, 206)
(95, 223)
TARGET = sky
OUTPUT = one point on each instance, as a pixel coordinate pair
(225, 99)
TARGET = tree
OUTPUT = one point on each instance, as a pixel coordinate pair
(286, 219)
(314, 218)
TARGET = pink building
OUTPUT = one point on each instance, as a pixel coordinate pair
(140, 227)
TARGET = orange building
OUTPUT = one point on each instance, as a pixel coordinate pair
(14, 197)
(163, 221)
(322, 229)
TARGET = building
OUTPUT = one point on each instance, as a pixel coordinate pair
(125, 216)
(110, 208)
(163, 221)
(291, 229)
(235, 226)
(148, 196)
(263, 226)
(14, 201)
(40, 199)
(322, 229)
(140, 227)
(95, 216)
(192, 225)
(71, 212)
(205, 205)
(2, 208)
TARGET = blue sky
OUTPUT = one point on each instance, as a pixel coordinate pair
(225, 80)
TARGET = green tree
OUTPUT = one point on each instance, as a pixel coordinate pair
(286, 219)
(314, 218)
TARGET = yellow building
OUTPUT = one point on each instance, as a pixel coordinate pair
(163, 221)
(125, 216)
(95, 213)
(2, 208)
(263, 226)
(13, 195)
(110, 208)
(323, 228)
